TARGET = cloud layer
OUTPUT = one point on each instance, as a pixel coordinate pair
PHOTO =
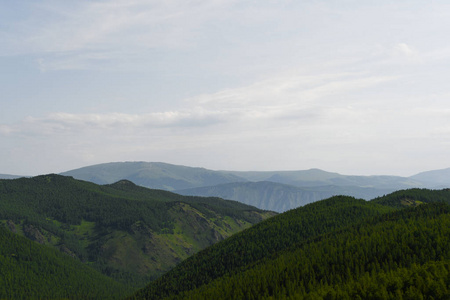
(315, 120)
(353, 87)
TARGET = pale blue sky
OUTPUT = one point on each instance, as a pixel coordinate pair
(355, 87)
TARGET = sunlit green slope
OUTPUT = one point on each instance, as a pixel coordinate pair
(265, 240)
(127, 232)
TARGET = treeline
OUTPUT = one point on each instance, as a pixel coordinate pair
(413, 197)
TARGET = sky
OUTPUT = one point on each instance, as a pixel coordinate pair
(354, 87)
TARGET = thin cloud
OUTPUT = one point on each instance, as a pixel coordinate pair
(291, 92)
(305, 99)
(315, 83)
(79, 35)
(59, 123)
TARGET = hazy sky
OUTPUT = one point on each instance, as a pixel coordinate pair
(355, 87)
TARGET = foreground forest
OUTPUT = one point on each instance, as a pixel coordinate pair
(32, 271)
(393, 247)
(65, 238)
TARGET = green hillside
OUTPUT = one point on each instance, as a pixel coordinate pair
(263, 240)
(414, 197)
(127, 232)
(340, 248)
(32, 271)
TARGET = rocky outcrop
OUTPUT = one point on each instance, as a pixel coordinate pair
(33, 234)
(11, 226)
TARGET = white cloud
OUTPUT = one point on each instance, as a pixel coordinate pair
(272, 103)
(284, 94)
(76, 35)
(118, 123)
(6, 130)
(405, 51)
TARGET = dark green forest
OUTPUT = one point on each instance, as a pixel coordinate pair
(118, 205)
(339, 248)
(32, 271)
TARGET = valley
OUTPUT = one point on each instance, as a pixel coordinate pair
(65, 237)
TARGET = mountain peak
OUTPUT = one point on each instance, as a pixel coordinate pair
(124, 182)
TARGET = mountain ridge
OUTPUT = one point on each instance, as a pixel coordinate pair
(439, 177)
(9, 176)
(311, 185)
(156, 175)
(266, 194)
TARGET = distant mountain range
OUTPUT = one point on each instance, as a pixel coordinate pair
(434, 179)
(280, 197)
(153, 175)
(272, 190)
(8, 176)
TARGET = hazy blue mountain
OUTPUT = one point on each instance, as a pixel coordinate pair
(316, 177)
(435, 178)
(311, 176)
(8, 176)
(174, 177)
(154, 175)
(280, 197)
(273, 190)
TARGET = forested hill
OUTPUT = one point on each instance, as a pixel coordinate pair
(414, 197)
(130, 233)
(339, 248)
